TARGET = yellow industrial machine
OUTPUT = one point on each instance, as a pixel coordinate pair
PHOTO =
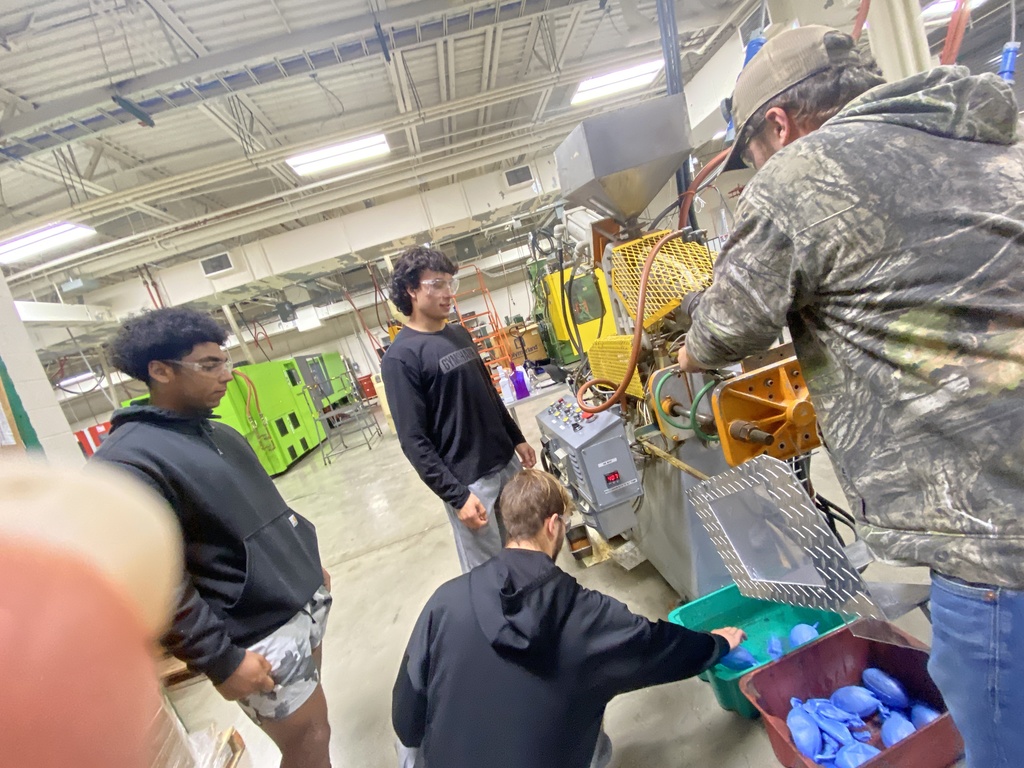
(765, 411)
(690, 426)
(578, 308)
(707, 474)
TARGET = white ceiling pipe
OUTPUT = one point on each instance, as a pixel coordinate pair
(155, 235)
(477, 156)
(156, 245)
(290, 209)
(214, 232)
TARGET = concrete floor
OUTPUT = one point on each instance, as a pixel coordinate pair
(387, 543)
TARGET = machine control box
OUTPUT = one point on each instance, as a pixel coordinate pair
(591, 451)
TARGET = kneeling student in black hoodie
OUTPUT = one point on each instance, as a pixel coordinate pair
(512, 664)
(255, 598)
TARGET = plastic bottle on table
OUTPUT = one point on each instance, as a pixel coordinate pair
(519, 383)
(508, 393)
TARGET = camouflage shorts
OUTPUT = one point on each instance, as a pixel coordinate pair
(290, 653)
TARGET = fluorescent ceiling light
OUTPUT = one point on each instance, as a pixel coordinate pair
(347, 153)
(941, 10)
(41, 240)
(79, 379)
(616, 82)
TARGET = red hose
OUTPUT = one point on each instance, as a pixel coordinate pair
(862, 17)
(265, 335)
(955, 32)
(641, 301)
(638, 334)
(362, 322)
(695, 185)
(145, 282)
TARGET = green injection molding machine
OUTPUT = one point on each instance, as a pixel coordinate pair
(270, 404)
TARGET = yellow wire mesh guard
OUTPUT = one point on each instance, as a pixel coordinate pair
(679, 269)
(609, 359)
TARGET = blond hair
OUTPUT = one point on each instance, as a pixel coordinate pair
(530, 498)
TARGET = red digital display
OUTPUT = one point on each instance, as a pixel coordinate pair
(612, 477)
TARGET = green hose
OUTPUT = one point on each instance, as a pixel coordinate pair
(693, 414)
(657, 403)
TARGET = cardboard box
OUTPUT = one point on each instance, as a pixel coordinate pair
(530, 339)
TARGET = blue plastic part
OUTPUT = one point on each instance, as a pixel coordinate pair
(886, 688)
(896, 728)
(922, 714)
(738, 659)
(855, 755)
(826, 708)
(856, 699)
(802, 633)
(774, 648)
(804, 731)
(1008, 63)
(829, 750)
(833, 728)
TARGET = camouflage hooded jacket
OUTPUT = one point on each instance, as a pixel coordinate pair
(891, 241)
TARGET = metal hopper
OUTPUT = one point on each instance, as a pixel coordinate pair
(618, 161)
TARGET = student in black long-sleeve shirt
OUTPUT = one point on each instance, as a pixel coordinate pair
(452, 425)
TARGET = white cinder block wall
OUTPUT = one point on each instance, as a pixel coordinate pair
(32, 386)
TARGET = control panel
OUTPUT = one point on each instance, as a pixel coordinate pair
(591, 453)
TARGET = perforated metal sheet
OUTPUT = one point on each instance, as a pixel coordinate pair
(680, 268)
(609, 358)
(833, 584)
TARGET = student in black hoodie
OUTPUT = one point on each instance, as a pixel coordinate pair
(512, 664)
(255, 598)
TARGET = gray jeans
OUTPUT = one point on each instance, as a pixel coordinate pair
(479, 546)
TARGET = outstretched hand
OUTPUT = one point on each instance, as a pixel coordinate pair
(733, 635)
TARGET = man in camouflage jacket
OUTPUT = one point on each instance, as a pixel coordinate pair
(885, 228)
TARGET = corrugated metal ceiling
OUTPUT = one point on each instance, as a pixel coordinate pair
(308, 90)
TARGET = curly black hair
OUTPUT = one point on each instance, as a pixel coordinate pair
(408, 269)
(163, 334)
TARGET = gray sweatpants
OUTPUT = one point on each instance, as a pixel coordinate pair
(479, 546)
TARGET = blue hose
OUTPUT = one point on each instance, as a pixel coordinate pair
(1008, 64)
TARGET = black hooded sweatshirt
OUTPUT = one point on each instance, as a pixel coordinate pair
(252, 563)
(512, 664)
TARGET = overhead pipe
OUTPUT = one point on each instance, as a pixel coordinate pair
(158, 190)
(196, 237)
(238, 334)
(673, 72)
(322, 200)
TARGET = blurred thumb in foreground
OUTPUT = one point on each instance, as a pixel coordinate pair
(90, 566)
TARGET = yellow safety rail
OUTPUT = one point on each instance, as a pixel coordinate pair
(679, 269)
(609, 358)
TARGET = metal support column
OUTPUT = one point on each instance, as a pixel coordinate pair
(898, 40)
(238, 334)
(674, 79)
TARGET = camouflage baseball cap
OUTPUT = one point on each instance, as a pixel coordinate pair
(784, 61)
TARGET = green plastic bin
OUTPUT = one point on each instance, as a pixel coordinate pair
(760, 619)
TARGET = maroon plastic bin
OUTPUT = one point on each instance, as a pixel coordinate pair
(837, 659)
